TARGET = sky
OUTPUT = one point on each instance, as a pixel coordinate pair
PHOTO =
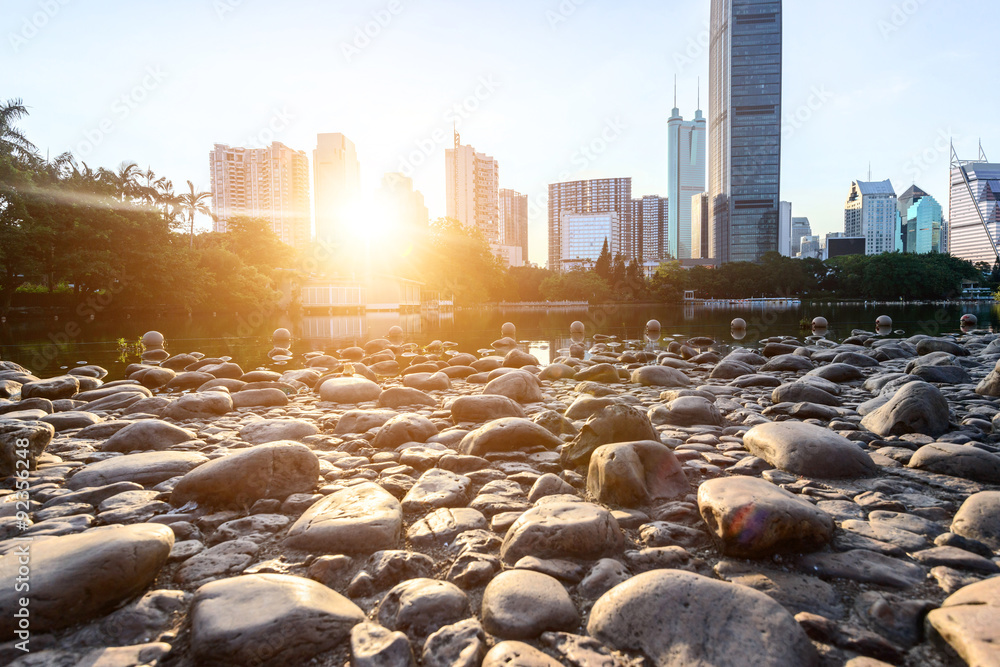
(553, 89)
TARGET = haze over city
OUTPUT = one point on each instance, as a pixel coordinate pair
(554, 91)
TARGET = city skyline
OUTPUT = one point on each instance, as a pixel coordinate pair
(828, 135)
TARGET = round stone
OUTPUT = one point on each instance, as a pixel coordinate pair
(508, 330)
(820, 323)
(563, 530)
(739, 324)
(883, 321)
(153, 340)
(521, 604)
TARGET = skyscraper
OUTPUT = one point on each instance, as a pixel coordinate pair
(585, 236)
(605, 195)
(745, 127)
(685, 175)
(472, 188)
(403, 204)
(337, 176)
(701, 230)
(649, 229)
(514, 223)
(922, 219)
(967, 237)
(270, 183)
(871, 212)
(785, 228)
(800, 228)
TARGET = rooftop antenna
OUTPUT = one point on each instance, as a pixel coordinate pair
(675, 91)
(699, 92)
(982, 153)
(869, 171)
(458, 139)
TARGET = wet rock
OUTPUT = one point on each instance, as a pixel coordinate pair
(24, 442)
(809, 450)
(274, 470)
(76, 578)
(916, 407)
(979, 518)
(679, 619)
(752, 518)
(519, 386)
(521, 604)
(268, 619)
(350, 390)
(63, 386)
(146, 468)
(360, 519)
(422, 606)
(614, 423)
(204, 405)
(145, 435)
(506, 435)
(632, 474)
(969, 620)
(958, 461)
(659, 376)
(563, 530)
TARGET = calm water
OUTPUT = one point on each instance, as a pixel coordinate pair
(49, 346)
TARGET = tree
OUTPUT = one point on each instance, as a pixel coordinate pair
(12, 141)
(603, 265)
(457, 262)
(576, 286)
(195, 202)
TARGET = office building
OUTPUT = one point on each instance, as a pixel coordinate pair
(745, 127)
(606, 195)
(701, 230)
(967, 235)
(800, 228)
(584, 237)
(472, 189)
(514, 226)
(922, 219)
(811, 248)
(402, 205)
(785, 229)
(270, 183)
(337, 184)
(649, 236)
(872, 211)
(839, 246)
(685, 176)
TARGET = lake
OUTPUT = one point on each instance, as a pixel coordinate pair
(49, 346)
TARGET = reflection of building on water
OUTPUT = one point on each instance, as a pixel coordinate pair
(357, 328)
(376, 293)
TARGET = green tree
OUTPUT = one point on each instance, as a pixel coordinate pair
(603, 265)
(195, 202)
(576, 286)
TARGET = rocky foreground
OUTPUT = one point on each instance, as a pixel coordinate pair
(799, 504)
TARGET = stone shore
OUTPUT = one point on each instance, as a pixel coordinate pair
(798, 503)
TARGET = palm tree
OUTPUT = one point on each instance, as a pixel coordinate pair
(12, 142)
(195, 202)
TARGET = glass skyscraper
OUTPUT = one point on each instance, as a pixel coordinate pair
(685, 177)
(745, 127)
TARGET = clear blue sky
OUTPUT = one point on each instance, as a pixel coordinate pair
(159, 83)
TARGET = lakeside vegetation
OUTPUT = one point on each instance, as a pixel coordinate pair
(94, 239)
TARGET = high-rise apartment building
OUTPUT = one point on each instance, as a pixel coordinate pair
(922, 218)
(745, 127)
(800, 228)
(701, 229)
(871, 211)
(337, 183)
(649, 232)
(472, 188)
(270, 183)
(605, 195)
(967, 237)
(685, 176)
(514, 224)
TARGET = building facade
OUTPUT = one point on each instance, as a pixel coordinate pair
(785, 229)
(922, 220)
(514, 225)
(800, 228)
(872, 211)
(745, 127)
(472, 189)
(649, 232)
(337, 184)
(403, 206)
(606, 195)
(810, 247)
(270, 183)
(685, 177)
(584, 237)
(701, 229)
(967, 238)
